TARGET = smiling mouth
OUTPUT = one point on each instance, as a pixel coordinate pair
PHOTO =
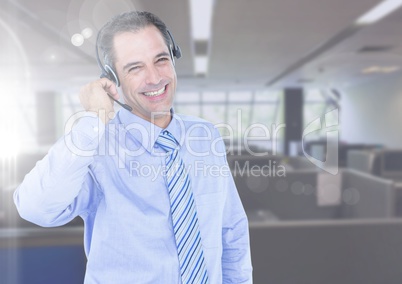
(155, 93)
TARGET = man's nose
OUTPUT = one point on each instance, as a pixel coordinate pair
(153, 76)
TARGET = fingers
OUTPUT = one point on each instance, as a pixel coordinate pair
(94, 96)
(109, 87)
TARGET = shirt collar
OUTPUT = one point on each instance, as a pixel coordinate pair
(138, 127)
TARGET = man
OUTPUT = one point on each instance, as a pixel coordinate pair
(152, 187)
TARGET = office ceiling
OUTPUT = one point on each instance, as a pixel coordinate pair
(255, 43)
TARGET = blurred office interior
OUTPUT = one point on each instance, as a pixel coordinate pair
(309, 92)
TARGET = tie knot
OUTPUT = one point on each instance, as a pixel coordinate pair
(167, 141)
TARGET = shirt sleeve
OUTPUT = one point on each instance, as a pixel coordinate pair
(236, 257)
(61, 186)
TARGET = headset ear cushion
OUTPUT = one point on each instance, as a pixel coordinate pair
(177, 51)
(111, 75)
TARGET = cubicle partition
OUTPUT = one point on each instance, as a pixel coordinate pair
(297, 195)
(298, 238)
(384, 163)
(289, 197)
(30, 254)
(332, 252)
(42, 256)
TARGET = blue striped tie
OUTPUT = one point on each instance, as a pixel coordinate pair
(184, 214)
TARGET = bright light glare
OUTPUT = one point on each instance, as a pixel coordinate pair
(10, 141)
(15, 95)
(372, 69)
(379, 69)
(201, 64)
(201, 18)
(390, 69)
(380, 11)
(77, 39)
(87, 33)
(9, 147)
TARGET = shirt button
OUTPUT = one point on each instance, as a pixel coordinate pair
(96, 129)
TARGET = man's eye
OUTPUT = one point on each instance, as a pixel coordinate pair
(133, 68)
(162, 59)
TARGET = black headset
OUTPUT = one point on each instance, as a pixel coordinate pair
(109, 73)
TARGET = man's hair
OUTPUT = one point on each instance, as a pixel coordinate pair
(132, 21)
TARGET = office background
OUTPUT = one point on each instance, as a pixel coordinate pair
(325, 74)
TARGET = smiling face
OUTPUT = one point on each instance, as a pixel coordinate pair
(146, 72)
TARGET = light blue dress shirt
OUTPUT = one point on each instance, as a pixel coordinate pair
(113, 177)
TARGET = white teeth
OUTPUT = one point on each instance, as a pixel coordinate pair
(156, 93)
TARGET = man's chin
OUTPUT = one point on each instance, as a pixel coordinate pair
(160, 115)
